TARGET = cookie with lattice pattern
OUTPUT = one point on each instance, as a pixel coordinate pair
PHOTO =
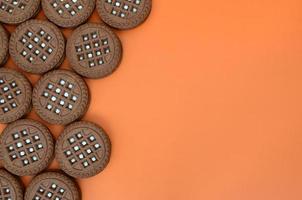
(3, 45)
(83, 149)
(37, 46)
(27, 147)
(10, 186)
(18, 11)
(94, 51)
(52, 186)
(15, 95)
(124, 14)
(68, 13)
(60, 97)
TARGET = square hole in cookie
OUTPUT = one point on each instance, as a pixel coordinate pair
(2, 6)
(78, 48)
(81, 57)
(5, 109)
(85, 37)
(13, 105)
(24, 53)
(22, 6)
(94, 35)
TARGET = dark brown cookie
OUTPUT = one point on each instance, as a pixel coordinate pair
(10, 187)
(124, 14)
(83, 149)
(52, 186)
(94, 51)
(37, 46)
(18, 11)
(15, 95)
(68, 13)
(3, 45)
(27, 147)
(61, 97)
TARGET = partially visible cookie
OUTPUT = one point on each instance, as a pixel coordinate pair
(18, 11)
(3, 45)
(124, 14)
(15, 95)
(83, 149)
(54, 186)
(37, 46)
(10, 187)
(27, 147)
(94, 51)
(68, 13)
(61, 97)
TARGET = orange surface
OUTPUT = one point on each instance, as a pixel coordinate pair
(207, 104)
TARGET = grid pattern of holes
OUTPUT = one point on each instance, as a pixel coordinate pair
(37, 45)
(24, 148)
(60, 96)
(124, 8)
(51, 192)
(5, 193)
(10, 6)
(9, 91)
(93, 49)
(82, 150)
(67, 7)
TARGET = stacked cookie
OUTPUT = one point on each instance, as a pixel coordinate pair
(27, 147)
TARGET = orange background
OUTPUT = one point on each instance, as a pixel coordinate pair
(207, 104)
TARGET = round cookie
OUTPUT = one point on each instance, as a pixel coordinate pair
(10, 187)
(15, 95)
(83, 149)
(18, 11)
(3, 45)
(68, 13)
(61, 97)
(37, 46)
(94, 51)
(52, 185)
(124, 14)
(27, 147)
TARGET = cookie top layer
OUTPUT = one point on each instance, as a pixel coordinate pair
(60, 97)
(37, 46)
(18, 11)
(27, 147)
(94, 51)
(3, 45)
(15, 95)
(54, 186)
(124, 14)
(68, 13)
(10, 187)
(83, 149)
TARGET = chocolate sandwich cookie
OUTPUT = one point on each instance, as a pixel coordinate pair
(68, 13)
(124, 14)
(3, 45)
(10, 187)
(15, 95)
(94, 51)
(18, 11)
(83, 149)
(61, 97)
(27, 147)
(37, 46)
(54, 186)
